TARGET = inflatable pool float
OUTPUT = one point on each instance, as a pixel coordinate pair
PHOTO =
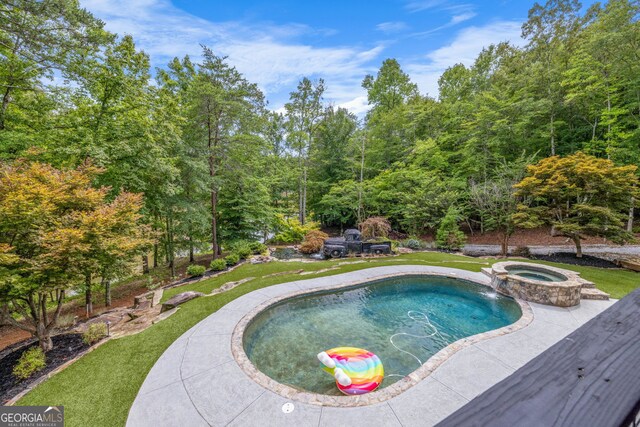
(356, 371)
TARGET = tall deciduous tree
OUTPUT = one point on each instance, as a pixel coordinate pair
(40, 38)
(226, 114)
(551, 30)
(389, 123)
(304, 114)
(579, 195)
(494, 200)
(54, 229)
(390, 88)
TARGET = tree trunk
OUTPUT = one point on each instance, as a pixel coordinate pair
(3, 109)
(213, 137)
(301, 184)
(107, 293)
(630, 220)
(155, 255)
(505, 245)
(37, 321)
(88, 295)
(360, 204)
(576, 240)
(608, 124)
(145, 264)
(191, 255)
(170, 254)
(214, 224)
(553, 141)
(304, 195)
(43, 336)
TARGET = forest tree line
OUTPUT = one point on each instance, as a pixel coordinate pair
(215, 165)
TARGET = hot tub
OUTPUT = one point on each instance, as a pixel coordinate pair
(538, 283)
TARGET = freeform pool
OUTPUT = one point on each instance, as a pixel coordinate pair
(404, 320)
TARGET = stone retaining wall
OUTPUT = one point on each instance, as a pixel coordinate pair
(529, 290)
(560, 294)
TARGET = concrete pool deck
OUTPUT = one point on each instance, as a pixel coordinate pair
(197, 381)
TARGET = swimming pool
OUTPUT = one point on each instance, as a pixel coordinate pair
(404, 320)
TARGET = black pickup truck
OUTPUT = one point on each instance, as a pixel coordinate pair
(338, 247)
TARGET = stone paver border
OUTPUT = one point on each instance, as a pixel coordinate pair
(383, 394)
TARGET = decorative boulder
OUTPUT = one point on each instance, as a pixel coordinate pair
(152, 297)
(261, 259)
(176, 300)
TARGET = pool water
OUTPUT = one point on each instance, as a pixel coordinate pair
(543, 276)
(403, 320)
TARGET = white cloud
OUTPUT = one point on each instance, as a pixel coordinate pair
(267, 54)
(358, 105)
(420, 5)
(272, 56)
(445, 5)
(464, 49)
(456, 19)
(392, 27)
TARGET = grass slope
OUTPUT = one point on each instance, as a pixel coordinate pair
(98, 390)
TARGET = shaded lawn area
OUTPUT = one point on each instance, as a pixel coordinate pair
(98, 390)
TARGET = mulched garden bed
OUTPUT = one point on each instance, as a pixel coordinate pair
(65, 347)
(570, 258)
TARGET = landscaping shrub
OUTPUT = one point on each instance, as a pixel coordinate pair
(289, 230)
(257, 248)
(244, 252)
(375, 227)
(31, 361)
(196, 270)
(232, 259)
(94, 333)
(313, 242)
(414, 244)
(449, 236)
(240, 247)
(245, 248)
(218, 264)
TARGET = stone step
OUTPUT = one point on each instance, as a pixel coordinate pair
(587, 284)
(487, 271)
(631, 264)
(593, 293)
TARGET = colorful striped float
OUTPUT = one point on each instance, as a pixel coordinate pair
(356, 371)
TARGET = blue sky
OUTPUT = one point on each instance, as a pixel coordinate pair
(276, 43)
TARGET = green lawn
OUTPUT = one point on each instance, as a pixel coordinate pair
(99, 389)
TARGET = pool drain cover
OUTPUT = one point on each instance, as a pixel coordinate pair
(287, 408)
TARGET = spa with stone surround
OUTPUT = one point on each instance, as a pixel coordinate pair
(542, 284)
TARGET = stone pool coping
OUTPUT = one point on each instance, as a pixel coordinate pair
(197, 382)
(381, 395)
